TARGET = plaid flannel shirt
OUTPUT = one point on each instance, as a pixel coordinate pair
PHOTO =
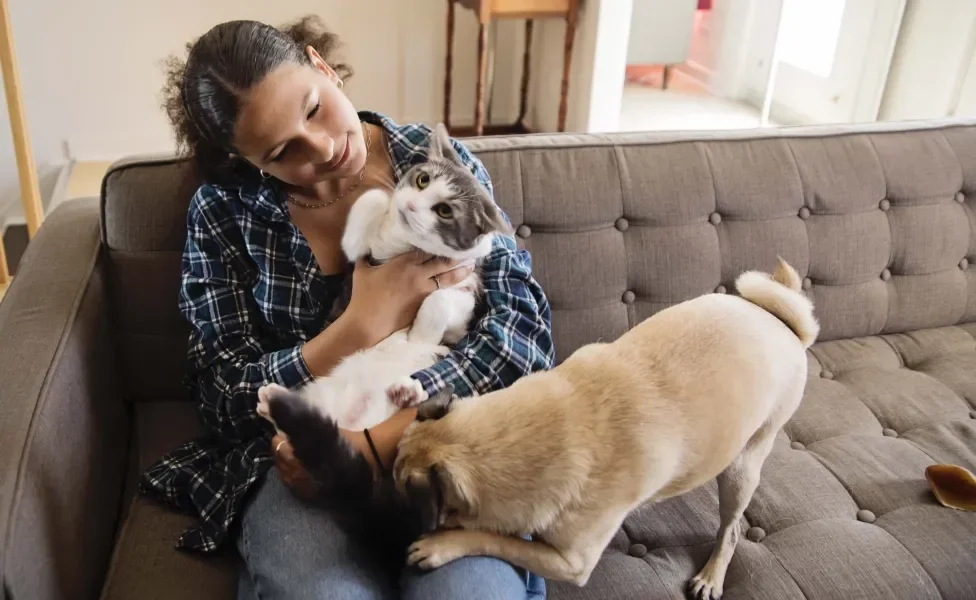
(252, 293)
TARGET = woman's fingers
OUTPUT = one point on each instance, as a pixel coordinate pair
(452, 277)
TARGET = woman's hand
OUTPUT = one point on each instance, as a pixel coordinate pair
(386, 298)
(292, 473)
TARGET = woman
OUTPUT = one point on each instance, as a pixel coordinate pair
(284, 155)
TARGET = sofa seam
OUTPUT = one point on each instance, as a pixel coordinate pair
(787, 571)
(711, 176)
(918, 562)
(891, 234)
(629, 310)
(41, 402)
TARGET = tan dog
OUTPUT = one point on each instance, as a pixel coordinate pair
(695, 392)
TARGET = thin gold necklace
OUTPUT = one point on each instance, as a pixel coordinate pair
(369, 143)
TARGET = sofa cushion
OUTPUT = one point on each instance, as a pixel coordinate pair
(145, 563)
(879, 221)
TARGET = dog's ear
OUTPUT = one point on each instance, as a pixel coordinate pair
(437, 406)
(426, 496)
(434, 492)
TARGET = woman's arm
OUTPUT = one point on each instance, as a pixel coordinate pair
(229, 358)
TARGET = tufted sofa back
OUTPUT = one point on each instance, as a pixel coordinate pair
(880, 221)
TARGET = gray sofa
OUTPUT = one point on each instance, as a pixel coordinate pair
(880, 220)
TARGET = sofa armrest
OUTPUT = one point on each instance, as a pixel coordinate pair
(63, 426)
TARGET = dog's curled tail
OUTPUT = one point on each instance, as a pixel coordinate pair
(780, 295)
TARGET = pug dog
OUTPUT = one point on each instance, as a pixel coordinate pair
(697, 391)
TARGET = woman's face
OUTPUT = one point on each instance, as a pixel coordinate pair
(299, 127)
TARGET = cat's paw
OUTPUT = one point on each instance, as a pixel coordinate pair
(265, 393)
(406, 393)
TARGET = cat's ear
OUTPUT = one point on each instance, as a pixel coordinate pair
(441, 146)
(494, 221)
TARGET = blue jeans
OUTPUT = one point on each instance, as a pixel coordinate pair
(293, 552)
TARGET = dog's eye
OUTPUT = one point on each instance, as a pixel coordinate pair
(443, 210)
(422, 180)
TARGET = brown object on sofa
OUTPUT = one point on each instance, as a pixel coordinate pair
(879, 220)
(953, 486)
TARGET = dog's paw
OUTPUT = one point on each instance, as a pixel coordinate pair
(406, 393)
(701, 587)
(432, 551)
(265, 393)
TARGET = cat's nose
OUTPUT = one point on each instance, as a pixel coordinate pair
(411, 206)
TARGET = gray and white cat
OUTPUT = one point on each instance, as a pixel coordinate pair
(441, 208)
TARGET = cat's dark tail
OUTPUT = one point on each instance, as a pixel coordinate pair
(368, 507)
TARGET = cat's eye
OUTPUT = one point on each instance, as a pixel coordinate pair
(422, 180)
(443, 210)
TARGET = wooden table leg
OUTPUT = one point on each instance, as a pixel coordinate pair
(449, 66)
(567, 61)
(526, 61)
(30, 194)
(479, 106)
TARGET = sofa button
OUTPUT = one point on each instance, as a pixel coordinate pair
(797, 446)
(621, 224)
(960, 197)
(714, 218)
(865, 516)
(885, 275)
(964, 264)
(807, 283)
(720, 289)
(884, 205)
(972, 414)
(804, 213)
(826, 374)
(756, 534)
(629, 297)
(523, 231)
(638, 550)
(889, 432)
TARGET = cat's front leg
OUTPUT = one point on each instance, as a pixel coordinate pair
(446, 309)
(363, 222)
(406, 392)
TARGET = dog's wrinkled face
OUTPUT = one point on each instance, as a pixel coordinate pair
(425, 470)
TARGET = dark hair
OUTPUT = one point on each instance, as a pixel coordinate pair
(202, 95)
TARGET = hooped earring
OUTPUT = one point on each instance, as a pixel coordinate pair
(265, 175)
(339, 84)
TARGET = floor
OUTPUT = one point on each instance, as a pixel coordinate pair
(646, 108)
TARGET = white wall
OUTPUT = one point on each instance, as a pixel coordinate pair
(966, 106)
(660, 32)
(932, 56)
(597, 71)
(91, 69)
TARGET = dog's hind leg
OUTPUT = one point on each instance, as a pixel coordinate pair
(736, 486)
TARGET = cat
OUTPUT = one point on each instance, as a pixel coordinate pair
(440, 207)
